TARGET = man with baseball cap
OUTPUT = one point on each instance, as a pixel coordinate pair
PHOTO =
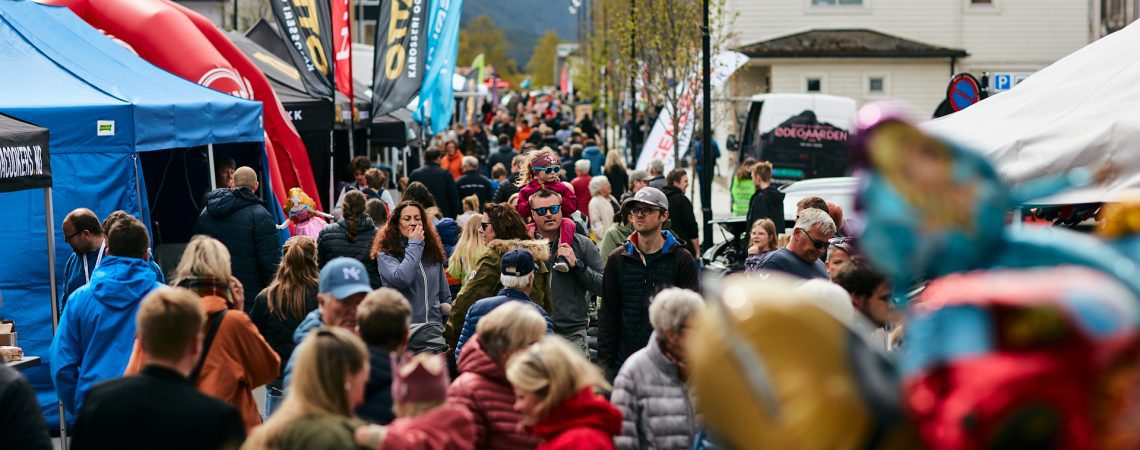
(516, 273)
(649, 261)
(343, 284)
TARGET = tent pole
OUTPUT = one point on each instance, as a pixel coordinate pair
(213, 170)
(50, 225)
(332, 177)
(351, 144)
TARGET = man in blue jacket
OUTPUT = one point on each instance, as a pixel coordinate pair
(596, 157)
(516, 273)
(97, 330)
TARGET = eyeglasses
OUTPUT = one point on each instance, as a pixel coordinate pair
(819, 245)
(642, 211)
(67, 237)
(552, 209)
(550, 170)
(484, 225)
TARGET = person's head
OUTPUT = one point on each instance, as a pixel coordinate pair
(382, 320)
(516, 270)
(419, 193)
(745, 170)
(547, 374)
(82, 231)
(471, 203)
(432, 155)
(128, 238)
(671, 312)
(638, 179)
(353, 207)
(546, 211)
(763, 235)
(542, 165)
(504, 140)
(377, 210)
(470, 246)
(419, 385)
(762, 174)
(330, 372)
(296, 276)
(450, 147)
(111, 219)
(224, 174)
(829, 297)
(205, 267)
(678, 178)
(576, 152)
(811, 202)
(839, 256)
(343, 284)
(870, 292)
(517, 163)
(502, 221)
(376, 179)
(245, 177)
(404, 220)
(648, 210)
(470, 163)
(656, 168)
(358, 167)
(582, 167)
(614, 160)
(600, 186)
(836, 213)
(812, 230)
(169, 323)
(499, 172)
(508, 329)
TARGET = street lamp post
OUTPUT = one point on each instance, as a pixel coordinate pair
(632, 133)
(708, 155)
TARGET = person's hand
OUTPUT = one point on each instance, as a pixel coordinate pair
(565, 251)
(416, 232)
(371, 436)
(445, 309)
(237, 291)
(754, 250)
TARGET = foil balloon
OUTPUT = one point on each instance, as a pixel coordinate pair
(1044, 359)
(777, 371)
(932, 207)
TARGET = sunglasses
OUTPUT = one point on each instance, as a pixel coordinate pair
(549, 170)
(643, 211)
(819, 245)
(552, 209)
(484, 225)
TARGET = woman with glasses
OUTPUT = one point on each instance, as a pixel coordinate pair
(410, 259)
(554, 390)
(762, 240)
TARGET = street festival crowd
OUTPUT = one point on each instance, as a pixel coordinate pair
(526, 290)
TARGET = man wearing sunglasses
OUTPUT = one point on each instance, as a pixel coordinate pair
(650, 260)
(801, 257)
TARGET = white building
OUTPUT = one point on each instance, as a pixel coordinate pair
(902, 49)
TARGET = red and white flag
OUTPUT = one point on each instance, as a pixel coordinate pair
(342, 46)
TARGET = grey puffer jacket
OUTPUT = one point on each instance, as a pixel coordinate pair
(656, 409)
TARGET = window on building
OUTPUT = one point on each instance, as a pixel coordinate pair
(814, 85)
(876, 85)
(836, 2)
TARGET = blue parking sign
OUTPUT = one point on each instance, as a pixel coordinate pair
(1003, 81)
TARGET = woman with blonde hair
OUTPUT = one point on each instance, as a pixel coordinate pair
(328, 380)
(616, 172)
(280, 308)
(554, 390)
(471, 207)
(236, 358)
(468, 250)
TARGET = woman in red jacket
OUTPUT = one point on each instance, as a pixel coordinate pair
(483, 387)
(553, 386)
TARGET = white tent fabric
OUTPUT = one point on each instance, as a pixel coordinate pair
(1082, 111)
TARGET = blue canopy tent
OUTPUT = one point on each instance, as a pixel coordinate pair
(108, 111)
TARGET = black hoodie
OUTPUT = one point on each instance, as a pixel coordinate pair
(767, 203)
(239, 219)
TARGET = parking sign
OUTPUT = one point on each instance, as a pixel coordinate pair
(1003, 81)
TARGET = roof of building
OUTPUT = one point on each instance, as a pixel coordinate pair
(846, 43)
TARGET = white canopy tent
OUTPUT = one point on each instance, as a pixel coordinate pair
(1082, 111)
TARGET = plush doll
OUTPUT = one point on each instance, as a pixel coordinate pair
(304, 217)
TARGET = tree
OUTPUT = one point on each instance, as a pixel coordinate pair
(541, 65)
(481, 35)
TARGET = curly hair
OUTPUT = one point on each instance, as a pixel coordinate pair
(388, 240)
(506, 221)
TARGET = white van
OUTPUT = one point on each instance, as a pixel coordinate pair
(804, 136)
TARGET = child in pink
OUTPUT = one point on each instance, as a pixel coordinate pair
(541, 172)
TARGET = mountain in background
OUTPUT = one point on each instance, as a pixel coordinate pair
(525, 21)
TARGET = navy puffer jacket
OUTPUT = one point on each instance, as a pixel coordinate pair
(238, 219)
(333, 243)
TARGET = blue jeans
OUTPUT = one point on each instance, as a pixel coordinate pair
(273, 398)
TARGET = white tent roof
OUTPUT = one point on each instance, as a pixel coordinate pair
(1081, 111)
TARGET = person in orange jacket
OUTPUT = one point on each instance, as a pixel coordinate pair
(452, 159)
(237, 359)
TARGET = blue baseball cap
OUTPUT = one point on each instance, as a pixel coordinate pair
(344, 277)
(517, 262)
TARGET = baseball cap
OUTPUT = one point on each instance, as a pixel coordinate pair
(517, 263)
(650, 196)
(638, 175)
(344, 277)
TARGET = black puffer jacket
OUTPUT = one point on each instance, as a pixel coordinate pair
(377, 406)
(333, 243)
(238, 219)
(474, 183)
(627, 286)
(442, 187)
(279, 332)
